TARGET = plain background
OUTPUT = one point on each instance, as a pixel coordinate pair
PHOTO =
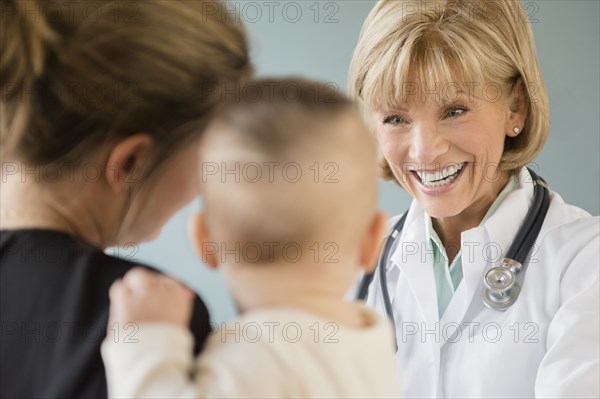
(316, 40)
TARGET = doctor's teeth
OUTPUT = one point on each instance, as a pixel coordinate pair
(441, 177)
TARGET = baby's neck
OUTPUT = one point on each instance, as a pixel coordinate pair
(334, 310)
(316, 289)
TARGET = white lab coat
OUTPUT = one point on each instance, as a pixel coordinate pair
(545, 345)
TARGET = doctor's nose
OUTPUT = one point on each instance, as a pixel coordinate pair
(427, 145)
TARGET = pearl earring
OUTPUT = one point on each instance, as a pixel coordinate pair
(516, 130)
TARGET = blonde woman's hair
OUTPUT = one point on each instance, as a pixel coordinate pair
(447, 42)
(75, 76)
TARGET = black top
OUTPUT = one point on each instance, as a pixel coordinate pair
(53, 315)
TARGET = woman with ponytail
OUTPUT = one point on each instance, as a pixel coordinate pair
(102, 103)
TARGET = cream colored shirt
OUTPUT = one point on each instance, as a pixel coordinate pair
(271, 353)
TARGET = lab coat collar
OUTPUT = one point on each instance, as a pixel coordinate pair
(503, 225)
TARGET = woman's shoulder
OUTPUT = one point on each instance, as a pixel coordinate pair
(64, 270)
(572, 235)
(38, 252)
(569, 220)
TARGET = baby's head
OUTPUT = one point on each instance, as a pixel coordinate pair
(288, 179)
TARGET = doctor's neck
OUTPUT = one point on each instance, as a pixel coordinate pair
(449, 229)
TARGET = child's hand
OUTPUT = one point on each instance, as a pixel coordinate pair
(143, 295)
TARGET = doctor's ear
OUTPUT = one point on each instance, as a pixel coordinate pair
(127, 161)
(519, 107)
(372, 241)
(206, 250)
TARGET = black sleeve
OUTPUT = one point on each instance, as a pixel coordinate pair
(199, 324)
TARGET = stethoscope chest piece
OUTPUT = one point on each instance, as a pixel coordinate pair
(501, 286)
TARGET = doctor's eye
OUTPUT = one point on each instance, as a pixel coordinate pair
(393, 120)
(455, 111)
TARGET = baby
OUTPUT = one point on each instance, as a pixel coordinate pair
(288, 177)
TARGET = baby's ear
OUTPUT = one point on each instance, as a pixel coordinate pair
(372, 241)
(206, 250)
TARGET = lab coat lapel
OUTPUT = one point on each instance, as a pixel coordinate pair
(410, 258)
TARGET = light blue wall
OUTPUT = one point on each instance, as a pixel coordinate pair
(568, 41)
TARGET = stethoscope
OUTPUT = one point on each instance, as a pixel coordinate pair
(502, 283)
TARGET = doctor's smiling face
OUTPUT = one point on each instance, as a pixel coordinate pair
(446, 150)
(444, 89)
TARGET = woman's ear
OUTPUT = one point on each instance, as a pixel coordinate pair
(371, 245)
(206, 250)
(127, 161)
(519, 107)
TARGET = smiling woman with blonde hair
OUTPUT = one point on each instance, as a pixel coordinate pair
(455, 95)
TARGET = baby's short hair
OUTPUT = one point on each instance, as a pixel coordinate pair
(287, 164)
